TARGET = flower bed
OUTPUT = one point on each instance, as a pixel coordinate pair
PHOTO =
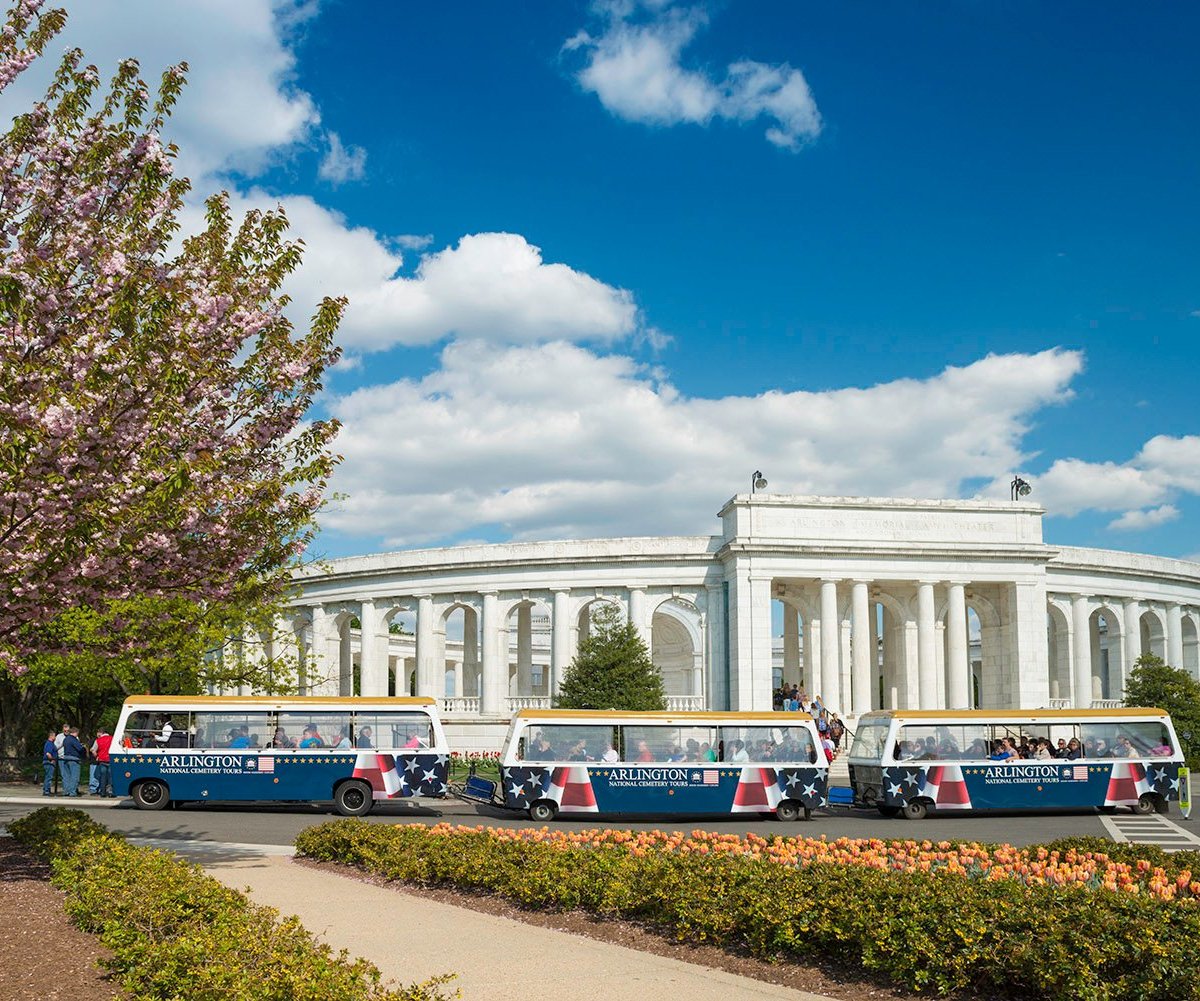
(937, 917)
(177, 933)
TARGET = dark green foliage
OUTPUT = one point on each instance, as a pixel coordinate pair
(936, 934)
(613, 669)
(176, 933)
(1154, 683)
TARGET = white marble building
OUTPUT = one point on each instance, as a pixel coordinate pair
(869, 602)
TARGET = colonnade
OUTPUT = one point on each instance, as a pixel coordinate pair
(507, 640)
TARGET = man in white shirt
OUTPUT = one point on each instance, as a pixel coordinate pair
(610, 754)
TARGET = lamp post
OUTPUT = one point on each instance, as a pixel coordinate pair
(757, 482)
(1018, 488)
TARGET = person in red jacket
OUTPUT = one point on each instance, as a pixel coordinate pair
(100, 763)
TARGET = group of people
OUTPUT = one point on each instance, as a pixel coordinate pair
(829, 725)
(64, 754)
(1024, 747)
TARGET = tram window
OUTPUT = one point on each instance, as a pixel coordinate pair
(236, 729)
(956, 742)
(869, 739)
(310, 730)
(568, 742)
(392, 731)
(157, 729)
(766, 743)
(667, 742)
(1126, 740)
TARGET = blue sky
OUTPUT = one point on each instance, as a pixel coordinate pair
(606, 260)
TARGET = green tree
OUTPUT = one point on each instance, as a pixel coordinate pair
(613, 669)
(93, 659)
(1153, 682)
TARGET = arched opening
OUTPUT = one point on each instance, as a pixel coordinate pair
(677, 651)
(527, 641)
(400, 623)
(991, 687)
(1154, 634)
(1191, 646)
(459, 634)
(1058, 646)
(1108, 679)
(583, 621)
(788, 648)
(897, 630)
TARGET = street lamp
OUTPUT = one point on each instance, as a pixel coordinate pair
(1018, 489)
(757, 482)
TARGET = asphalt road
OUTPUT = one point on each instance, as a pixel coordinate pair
(279, 824)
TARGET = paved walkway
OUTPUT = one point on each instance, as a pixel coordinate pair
(411, 938)
(1151, 829)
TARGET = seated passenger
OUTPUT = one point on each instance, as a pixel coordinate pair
(708, 754)
(643, 752)
(675, 754)
(610, 753)
(1061, 750)
(365, 738)
(1002, 751)
(692, 750)
(280, 739)
(340, 740)
(1074, 751)
(1161, 750)
(737, 751)
(238, 739)
(1125, 748)
(1043, 752)
(311, 737)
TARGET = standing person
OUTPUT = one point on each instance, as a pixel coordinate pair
(836, 729)
(101, 770)
(68, 763)
(49, 763)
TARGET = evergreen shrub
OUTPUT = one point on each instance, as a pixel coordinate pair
(934, 932)
(177, 933)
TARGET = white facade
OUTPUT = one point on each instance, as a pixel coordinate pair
(876, 603)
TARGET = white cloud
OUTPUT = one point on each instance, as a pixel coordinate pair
(342, 163)
(554, 440)
(493, 286)
(1137, 521)
(635, 68)
(241, 108)
(1163, 468)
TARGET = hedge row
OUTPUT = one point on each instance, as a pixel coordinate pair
(931, 932)
(176, 933)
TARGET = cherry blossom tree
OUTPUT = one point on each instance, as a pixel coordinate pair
(153, 439)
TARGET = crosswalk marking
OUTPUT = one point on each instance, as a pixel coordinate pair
(1151, 830)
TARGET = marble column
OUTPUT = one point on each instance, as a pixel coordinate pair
(495, 666)
(1131, 632)
(1175, 635)
(830, 692)
(525, 650)
(427, 652)
(1081, 650)
(926, 647)
(860, 648)
(322, 678)
(791, 645)
(958, 667)
(637, 614)
(458, 679)
(372, 662)
(560, 638)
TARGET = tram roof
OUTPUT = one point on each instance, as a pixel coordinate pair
(267, 701)
(984, 715)
(684, 715)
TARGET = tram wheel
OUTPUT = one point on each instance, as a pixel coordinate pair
(151, 795)
(788, 809)
(916, 810)
(887, 811)
(353, 799)
(1144, 805)
(543, 810)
